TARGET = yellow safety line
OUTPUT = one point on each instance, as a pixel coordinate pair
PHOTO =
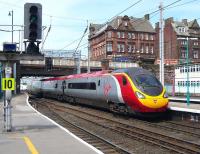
(30, 145)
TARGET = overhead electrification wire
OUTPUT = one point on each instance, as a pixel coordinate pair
(183, 3)
(47, 34)
(125, 10)
(81, 38)
(46, 37)
(106, 22)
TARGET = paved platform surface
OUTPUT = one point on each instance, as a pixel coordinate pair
(32, 133)
(183, 106)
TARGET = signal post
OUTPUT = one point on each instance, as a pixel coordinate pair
(9, 56)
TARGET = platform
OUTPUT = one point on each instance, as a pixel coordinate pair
(33, 133)
(180, 104)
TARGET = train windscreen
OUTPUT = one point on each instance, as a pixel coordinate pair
(148, 84)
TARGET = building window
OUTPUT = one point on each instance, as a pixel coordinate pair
(109, 47)
(109, 34)
(129, 36)
(118, 34)
(195, 54)
(147, 49)
(147, 37)
(120, 47)
(196, 43)
(183, 42)
(151, 49)
(151, 37)
(141, 36)
(181, 29)
(198, 83)
(129, 48)
(133, 48)
(122, 34)
(183, 54)
(133, 35)
(142, 48)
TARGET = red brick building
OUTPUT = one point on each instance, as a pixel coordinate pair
(123, 39)
(175, 41)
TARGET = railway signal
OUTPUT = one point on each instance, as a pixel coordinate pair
(32, 21)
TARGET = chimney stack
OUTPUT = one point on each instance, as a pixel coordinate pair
(185, 21)
(146, 16)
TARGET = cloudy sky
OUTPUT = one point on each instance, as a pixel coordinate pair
(69, 17)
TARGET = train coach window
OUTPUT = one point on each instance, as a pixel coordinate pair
(99, 83)
(124, 81)
(87, 85)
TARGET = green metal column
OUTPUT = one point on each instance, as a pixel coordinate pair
(187, 68)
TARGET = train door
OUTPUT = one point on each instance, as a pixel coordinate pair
(99, 84)
(63, 87)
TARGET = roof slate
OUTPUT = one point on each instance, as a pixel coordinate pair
(134, 24)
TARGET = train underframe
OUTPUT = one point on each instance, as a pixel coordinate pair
(116, 108)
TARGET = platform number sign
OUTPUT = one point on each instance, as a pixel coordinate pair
(8, 84)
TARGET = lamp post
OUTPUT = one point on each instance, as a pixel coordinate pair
(187, 68)
(11, 14)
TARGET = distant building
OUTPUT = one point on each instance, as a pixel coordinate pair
(182, 83)
(175, 41)
(123, 39)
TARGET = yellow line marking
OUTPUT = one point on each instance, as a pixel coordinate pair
(29, 144)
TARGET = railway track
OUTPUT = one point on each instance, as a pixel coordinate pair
(89, 137)
(173, 126)
(171, 143)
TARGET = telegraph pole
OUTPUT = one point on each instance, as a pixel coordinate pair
(161, 45)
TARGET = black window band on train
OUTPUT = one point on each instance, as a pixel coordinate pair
(85, 85)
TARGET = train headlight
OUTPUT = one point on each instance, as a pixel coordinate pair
(165, 95)
(139, 95)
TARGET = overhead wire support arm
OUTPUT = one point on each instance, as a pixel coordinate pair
(75, 52)
(81, 37)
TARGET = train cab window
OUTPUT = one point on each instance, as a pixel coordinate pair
(124, 81)
(99, 83)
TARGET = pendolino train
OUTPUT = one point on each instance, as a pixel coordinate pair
(130, 90)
